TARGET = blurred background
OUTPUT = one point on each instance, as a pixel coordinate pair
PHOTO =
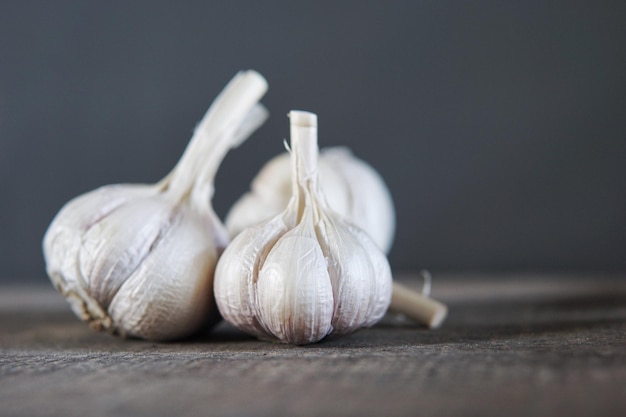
(500, 127)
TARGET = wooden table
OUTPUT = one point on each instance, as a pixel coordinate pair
(513, 345)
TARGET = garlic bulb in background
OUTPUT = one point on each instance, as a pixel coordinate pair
(138, 260)
(351, 186)
(304, 273)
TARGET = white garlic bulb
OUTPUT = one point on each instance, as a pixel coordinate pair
(351, 186)
(305, 273)
(138, 260)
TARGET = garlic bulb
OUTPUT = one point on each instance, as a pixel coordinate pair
(351, 186)
(138, 260)
(304, 273)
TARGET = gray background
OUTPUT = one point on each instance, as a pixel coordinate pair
(499, 127)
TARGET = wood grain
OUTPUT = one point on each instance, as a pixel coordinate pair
(513, 345)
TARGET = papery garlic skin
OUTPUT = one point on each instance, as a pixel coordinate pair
(351, 186)
(138, 260)
(305, 273)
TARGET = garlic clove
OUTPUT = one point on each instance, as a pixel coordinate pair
(238, 296)
(296, 290)
(63, 242)
(115, 247)
(359, 291)
(82, 213)
(149, 303)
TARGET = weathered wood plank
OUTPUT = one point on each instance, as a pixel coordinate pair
(512, 345)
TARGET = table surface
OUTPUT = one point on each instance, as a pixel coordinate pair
(513, 345)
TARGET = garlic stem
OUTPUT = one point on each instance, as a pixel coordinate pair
(218, 131)
(303, 129)
(304, 143)
(417, 307)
